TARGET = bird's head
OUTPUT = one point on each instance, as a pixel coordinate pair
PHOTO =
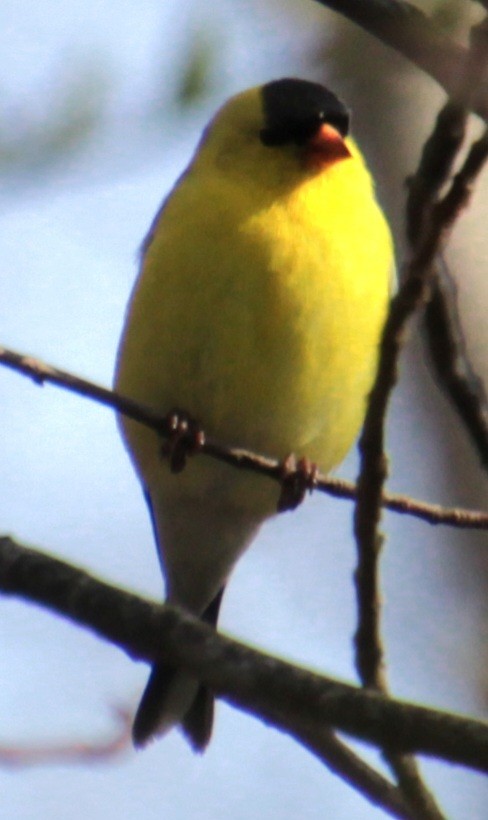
(284, 130)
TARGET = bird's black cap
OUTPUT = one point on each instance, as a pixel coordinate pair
(295, 109)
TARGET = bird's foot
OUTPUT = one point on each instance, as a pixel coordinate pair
(185, 438)
(297, 478)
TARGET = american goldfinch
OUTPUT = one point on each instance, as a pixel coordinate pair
(262, 294)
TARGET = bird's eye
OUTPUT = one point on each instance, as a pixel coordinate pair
(299, 131)
(339, 121)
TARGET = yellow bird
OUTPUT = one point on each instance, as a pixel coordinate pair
(258, 310)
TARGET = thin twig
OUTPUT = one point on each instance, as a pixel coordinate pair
(444, 332)
(436, 162)
(430, 513)
(249, 679)
(442, 325)
(340, 760)
(16, 756)
(413, 293)
(42, 373)
(430, 221)
(447, 347)
(462, 73)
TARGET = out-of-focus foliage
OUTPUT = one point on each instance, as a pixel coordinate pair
(38, 139)
(196, 78)
(79, 104)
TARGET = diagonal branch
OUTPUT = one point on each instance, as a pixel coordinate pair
(253, 681)
(447, 347)
(339, 758)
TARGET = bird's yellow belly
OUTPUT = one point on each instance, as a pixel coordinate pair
(272, 347)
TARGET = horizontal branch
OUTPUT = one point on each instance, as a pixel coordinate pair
(42, 373)
(411, 32)
(252, 681)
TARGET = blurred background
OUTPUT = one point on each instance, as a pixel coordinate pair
(101, 105)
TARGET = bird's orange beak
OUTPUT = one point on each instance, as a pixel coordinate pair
(325, 147)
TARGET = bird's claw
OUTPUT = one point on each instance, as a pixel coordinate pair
(297, 478)
(185, 438)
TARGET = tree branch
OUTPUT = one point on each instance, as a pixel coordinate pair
(442, 325)
(42, 373)
(462, 73)
(257, 683)
(339, 758)
(431, 219)
(447, 347)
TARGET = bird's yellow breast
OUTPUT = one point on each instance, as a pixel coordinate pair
(260, 314)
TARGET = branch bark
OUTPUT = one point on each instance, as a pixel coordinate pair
(42, 373)
(250, 680)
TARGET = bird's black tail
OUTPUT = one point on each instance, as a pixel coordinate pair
(167, 684)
